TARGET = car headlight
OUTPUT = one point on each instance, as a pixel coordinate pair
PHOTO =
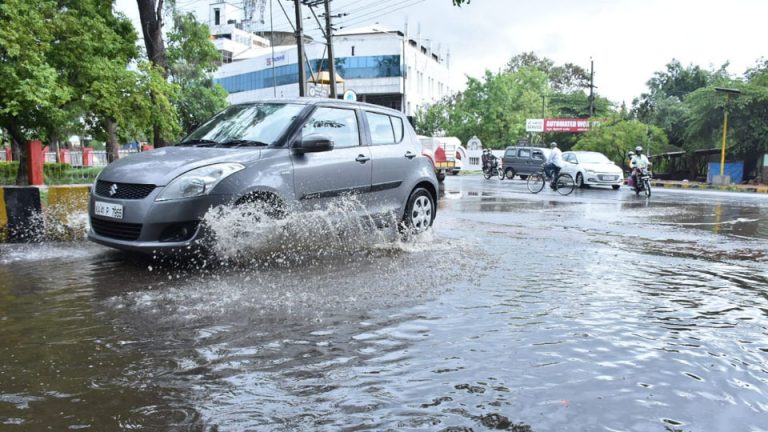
(197, 182)
(589, 171)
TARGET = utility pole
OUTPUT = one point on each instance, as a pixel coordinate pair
(591, 88)
(329, 38)
(300, 46)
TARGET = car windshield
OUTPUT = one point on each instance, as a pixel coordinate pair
(245, 125)
(593, 158)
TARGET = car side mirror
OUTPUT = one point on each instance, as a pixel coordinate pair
(313, 144)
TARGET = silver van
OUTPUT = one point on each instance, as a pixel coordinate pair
(291, 155)
(523, 160)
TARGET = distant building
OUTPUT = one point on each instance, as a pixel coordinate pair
(381, 66)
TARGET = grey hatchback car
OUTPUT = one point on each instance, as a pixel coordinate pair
(292, 155)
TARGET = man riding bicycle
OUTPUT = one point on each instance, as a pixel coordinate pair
(553, 164)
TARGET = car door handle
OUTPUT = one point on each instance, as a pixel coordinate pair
(410, 155)
(362, 158)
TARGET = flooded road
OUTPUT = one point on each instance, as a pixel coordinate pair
(599, 311)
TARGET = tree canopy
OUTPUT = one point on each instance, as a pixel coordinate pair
(495, 107)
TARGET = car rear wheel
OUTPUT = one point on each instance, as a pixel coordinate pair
(523, 177)
(441, 176)
(510, 173)
(419, 212)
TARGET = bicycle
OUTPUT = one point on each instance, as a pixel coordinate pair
(564, 184)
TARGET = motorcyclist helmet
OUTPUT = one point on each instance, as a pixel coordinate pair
(552, 144)
(638, 150)
(630, 154)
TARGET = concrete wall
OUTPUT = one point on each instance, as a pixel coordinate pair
(24, 217)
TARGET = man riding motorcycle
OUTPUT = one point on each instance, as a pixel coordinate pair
(639, 162)
(489, 160)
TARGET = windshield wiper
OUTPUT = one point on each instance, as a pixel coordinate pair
(243, 143)
(198, 143)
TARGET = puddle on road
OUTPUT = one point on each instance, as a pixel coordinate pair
(562, 317)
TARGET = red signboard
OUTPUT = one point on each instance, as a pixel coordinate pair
(566, 125)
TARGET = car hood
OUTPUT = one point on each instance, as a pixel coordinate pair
(602, 167)
(160, 166)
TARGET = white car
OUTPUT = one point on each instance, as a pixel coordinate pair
(593, 169)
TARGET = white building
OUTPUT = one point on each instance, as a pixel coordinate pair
(227, 32)
(380, 65)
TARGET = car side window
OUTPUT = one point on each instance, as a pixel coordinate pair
(538, 155)
(340, 125)
(397, 124)
(509, 153)
(524, 153)
(381, 128)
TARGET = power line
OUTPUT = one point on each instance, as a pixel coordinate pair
(379, 12)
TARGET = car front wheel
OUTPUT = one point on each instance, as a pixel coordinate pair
(419, 212)
(579, 180)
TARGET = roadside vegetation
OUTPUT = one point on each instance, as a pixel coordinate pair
(74, 67)
(681, 111)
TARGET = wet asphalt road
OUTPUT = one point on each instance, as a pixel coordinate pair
(599, 311)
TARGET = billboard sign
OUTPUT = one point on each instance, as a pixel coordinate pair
(557, 125)
(534, 125)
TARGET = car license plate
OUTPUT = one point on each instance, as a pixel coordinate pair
(110, 210)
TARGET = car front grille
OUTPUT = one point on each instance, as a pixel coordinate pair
(123, 190)
(116, 230)
(608, 177)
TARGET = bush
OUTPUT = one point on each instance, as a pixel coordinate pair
(8, 172)
(54, 173)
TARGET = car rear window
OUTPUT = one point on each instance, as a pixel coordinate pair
(524, 153)
(381, 128)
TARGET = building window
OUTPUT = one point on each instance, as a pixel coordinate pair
(474, 161)
(216, 16)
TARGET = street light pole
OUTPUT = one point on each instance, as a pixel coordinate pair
(728, 93)
(300, 48)
(331, 60)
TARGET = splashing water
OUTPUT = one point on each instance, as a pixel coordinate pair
(247, 232)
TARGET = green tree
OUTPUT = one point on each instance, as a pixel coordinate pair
(747, 119)
(433, 120)
(495, 108)
(192, 58)
(565, 78)
(663, 104)
(33, 92)
(615, 137)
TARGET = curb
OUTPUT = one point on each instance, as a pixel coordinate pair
(20, 219)
(23, 218)
(700, 186)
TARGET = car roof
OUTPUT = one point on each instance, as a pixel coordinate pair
(579, 152)
(321, 101)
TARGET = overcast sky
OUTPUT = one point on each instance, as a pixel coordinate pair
(627, 39)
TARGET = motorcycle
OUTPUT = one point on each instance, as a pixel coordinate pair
(492, 168)
(643, 181)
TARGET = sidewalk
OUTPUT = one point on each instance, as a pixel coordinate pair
(695, 185)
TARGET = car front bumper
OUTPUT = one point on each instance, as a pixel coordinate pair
(151, 226)
(604, 179)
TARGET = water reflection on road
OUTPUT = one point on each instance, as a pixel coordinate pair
(597, 311)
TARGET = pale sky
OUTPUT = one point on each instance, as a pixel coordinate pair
(627, 39)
